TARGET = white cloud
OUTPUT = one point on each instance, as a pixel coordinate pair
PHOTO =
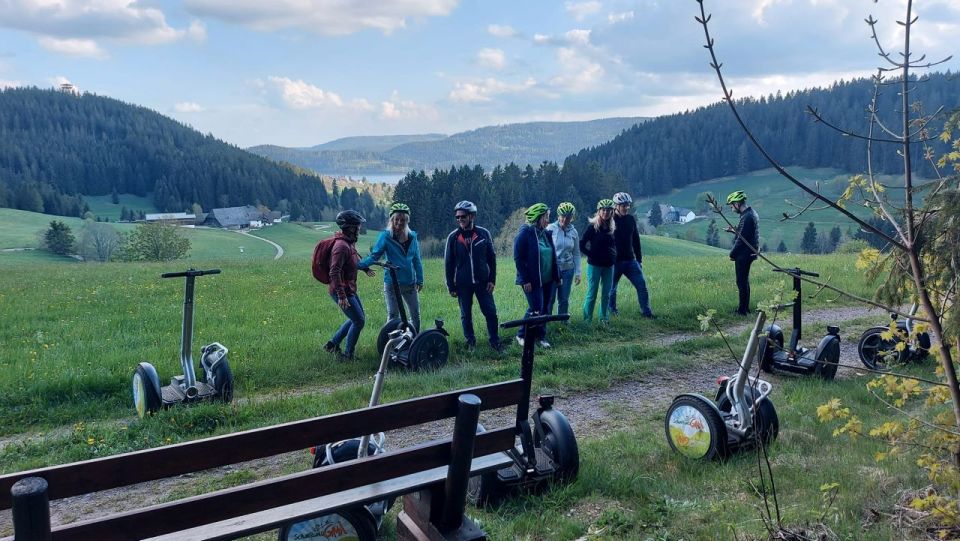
(578, 73)
(72, 47)
(302, 95)
(399, 109)
(492, 58)
(484, 90)
(614, 18)
(582, 10)
(188, 107)
(576, 36)
(502, 31)
(9, 84)
(329, 17)
(541, 39)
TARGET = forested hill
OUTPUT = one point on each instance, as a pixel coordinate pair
(56, 146)
(677, 150)
(532, 142)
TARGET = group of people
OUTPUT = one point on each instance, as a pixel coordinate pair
(547, 256)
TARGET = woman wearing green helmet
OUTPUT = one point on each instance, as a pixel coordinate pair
(537, 270)
(401, 247)
(745, 246)
(600, 246)
(567, 242)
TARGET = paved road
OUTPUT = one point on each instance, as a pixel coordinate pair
(275, 245)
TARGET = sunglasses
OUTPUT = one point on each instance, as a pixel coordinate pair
(459, 217)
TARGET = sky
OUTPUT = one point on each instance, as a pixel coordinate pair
(302, 72)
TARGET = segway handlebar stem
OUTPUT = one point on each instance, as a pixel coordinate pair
(535, 320)
(189, 272)
(797, 271)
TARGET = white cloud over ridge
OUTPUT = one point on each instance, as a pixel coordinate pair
(484, 90)
(399, 109)
(492, 58)
(86, 48)
(502, 31)
(188, 107)
(328, 17)
(298, 94)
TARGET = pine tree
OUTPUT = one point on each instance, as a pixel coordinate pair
(835, 237)
(782, 247)
(808, 245)
(59, 239)
(654, 218)
(713, 234)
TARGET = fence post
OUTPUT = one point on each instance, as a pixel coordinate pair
(461, 451)
(31, 510)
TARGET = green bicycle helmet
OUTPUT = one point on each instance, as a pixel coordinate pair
(738, 195)
(566, 209)
(399, 207)
(605, 204)
(536, 211)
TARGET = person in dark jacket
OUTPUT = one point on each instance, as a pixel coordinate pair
(343, 284)
(745, 246)
(471, 271)
(629, 255)
(600, 246)
(537, 271)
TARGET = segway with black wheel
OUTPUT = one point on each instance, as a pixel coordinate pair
(741, 417)
(822, 361)
(215, 381)
(427, 350)
(878, 346)
(547, 449)
(360, 522)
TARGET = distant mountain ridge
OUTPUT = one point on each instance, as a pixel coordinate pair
(530, 142)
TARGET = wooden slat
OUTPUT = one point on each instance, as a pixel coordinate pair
(151, 464)
(239, 501)
(275, 518)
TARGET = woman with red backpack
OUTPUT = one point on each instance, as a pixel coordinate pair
(343, 284)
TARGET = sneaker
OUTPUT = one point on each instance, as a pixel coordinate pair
(343, 357)
(499, 347)
(330, 347)
(520, 341)
(544, 344)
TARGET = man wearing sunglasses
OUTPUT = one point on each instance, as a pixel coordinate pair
(471, 271)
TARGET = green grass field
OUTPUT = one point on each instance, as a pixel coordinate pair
(102, 206)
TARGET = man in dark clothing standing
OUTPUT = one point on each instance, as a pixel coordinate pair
(471, 271)
(629, 255)
(745, 246)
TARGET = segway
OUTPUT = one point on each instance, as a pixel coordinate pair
(216, 379)
(822, 361)
(427, 350)
(361, 522)
(741, 417)
(547, 449)
(878, 353)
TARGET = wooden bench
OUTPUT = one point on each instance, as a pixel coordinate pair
(437, 469)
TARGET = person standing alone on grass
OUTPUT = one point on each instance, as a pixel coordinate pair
(745, 246)
(537, 269)
(629, 255)
(601, 248)
(470, 265)
(566, 240)
(402, 249)
(343, 284)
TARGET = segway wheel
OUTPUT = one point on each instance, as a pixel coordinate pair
(223, 381)
(766, 350)
(923, 346)
(429, 351)
(486, 489)
(560, 444)
(146, 390)
(384, 335)
(695, 429)
(767, 423)
(878, 354)
(354, 524)
(829, 360)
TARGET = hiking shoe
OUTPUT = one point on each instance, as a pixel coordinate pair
(343, 357)
(499, 347)
(544, 344)
(330, 347)
(520, 341)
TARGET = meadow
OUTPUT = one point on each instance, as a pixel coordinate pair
(80, 329)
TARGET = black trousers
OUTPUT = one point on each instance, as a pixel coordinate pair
(742, 266)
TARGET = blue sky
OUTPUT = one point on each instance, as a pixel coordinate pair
(302, 72)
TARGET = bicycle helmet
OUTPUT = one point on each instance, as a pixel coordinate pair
(536, 211)
(605, 204)
(566, 209)
(347, 218)
(399, 207)
(622, 198)
(738, 195)
(467, 206)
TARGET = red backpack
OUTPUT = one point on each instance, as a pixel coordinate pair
(321, 259)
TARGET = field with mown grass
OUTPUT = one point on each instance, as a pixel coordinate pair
(73, 333)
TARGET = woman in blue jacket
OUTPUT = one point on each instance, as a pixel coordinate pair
(537, 269)
(402, 248)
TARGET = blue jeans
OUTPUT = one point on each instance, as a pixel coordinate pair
(597, 278)
(410, 298)
(352, 326)
(634, 272)
(561, 293)
(537, 301)
(465, 295)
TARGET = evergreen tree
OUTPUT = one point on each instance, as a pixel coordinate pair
(59, 239)
(114, 196)
(654, 218)
(808, 245)
(835, 236)
(713, 233)
(782, 247)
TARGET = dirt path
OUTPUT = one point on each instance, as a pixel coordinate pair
(274, 244)
(594, 414)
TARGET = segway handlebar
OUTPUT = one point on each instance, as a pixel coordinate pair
(797, 271)
(535, 320)
(189, 272)
(384, 264)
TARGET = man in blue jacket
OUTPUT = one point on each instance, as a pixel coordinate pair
(471, 271)
(537, 271)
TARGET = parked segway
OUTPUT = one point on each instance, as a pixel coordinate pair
(426, 350)
(741, 417)
(361, 522)
(878, 353)
(216, 379)
(547, 448)
(822, 361)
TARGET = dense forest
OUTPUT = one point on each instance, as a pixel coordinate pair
(57, 146)
(531, 142)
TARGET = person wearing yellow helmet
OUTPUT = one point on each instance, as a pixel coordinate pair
(566, 240)
(746, 244)
(600, 246)
(537, 270)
